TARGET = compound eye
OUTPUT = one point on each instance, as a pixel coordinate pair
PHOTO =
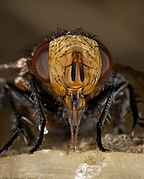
(40, 62)
(106, 61)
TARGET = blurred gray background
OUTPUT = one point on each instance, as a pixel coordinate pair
(118, 24)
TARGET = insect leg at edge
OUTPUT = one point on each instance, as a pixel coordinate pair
(103, 117)
(40, 112)
(136, 118)
(18, 121)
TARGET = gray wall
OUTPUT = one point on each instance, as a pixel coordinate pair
(119, 24)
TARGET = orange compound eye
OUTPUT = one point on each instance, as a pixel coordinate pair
(106, 61)
(40, 61)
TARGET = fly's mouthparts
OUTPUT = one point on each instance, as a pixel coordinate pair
(73, 103)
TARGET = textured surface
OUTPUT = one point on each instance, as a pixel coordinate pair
(57, 164)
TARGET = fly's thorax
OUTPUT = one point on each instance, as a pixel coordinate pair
(74, 64)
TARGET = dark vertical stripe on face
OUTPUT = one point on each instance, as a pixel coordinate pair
(81, 72)
(73, 71)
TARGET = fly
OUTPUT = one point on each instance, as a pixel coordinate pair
(67, 77)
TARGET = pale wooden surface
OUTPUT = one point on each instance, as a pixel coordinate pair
(58, 164)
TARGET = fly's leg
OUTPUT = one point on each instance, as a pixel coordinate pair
(27, 133)
(136, 118)
(39, 110)
(106, 103)
(18, 94)
(103, 117)
(12, 92)
(10, 142)
(18, 123)
(17, 133)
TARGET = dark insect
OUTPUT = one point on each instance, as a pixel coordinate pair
(66, 80)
